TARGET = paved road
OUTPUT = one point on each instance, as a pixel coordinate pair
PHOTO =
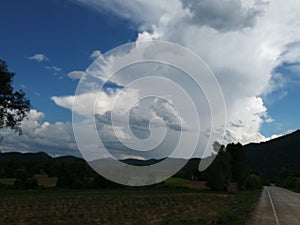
(277, 206)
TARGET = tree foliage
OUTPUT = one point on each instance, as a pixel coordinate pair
(267, 158)
(238, 163)
(289, 179)
(253, 181)
(24, 180)
(218, 173)
(229, 166)
(74, 175)
(14, 106)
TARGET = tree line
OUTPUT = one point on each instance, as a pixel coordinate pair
(228, 171)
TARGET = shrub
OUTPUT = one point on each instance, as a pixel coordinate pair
(253, 182)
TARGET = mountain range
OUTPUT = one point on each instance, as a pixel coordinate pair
(266, 158)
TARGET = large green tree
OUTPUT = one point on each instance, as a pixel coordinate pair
(14, 105)
(218, 174)
(239, 165)
(229, 166)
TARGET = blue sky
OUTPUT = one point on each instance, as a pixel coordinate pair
(261, 89)
(66, 33)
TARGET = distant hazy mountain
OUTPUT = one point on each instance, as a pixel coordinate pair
(268, 158)
(190, 167)
(34, 157)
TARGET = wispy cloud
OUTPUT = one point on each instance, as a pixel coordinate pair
(53, 68)
(39, 57)
(269, 120)
(23, 86)
(76, 75)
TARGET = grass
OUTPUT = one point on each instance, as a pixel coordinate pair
(46, 181)
(294, 190)
(125, 206)
(7, 181)
(177, 181)
(43, 180)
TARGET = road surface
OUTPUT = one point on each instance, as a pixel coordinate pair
(277, 206)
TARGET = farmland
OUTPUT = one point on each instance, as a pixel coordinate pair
(154, 205)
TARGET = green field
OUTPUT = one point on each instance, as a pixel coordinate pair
(43, 181)
(163, 205)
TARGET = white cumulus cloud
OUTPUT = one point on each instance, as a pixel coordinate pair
(39, 135)
(242, 42)
(39, 57)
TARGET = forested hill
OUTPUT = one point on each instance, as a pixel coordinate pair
(18, 156)
(269, 158)
(33, 157)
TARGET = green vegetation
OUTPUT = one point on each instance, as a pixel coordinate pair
(80, 196)
(177, 181)
(230, 170)
(13, 105)
(152, 205)
(43, 181)
(24, 180)
(253, 181)
(289, 179)
(268, 158)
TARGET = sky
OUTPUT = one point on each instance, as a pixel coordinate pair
(252, 47)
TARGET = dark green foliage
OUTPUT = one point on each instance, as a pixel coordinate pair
(53, 167)
(218, 173)
(239, 166)
(265, 161)
(101, 182)
(24, 180)
(190, 170)
(78, 174)
(8, 169)
(253, 182)
(21, 176)
(289, 179)
(269, 157)
(13, 105)
(32, 162)
(31, 183)
(229, 166)
(74, 175)
(292, 183)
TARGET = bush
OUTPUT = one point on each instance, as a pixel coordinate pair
(288, 180)
(74, 175)
(31, 183)
(24, 181)
(101, 182)
(253, 182)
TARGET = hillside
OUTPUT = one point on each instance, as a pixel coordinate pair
(18, 156)
(35, 157)
(268, 158)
